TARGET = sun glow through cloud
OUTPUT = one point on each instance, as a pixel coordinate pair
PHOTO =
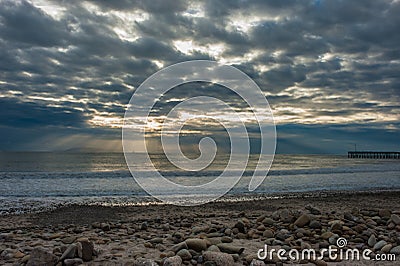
(317, 65)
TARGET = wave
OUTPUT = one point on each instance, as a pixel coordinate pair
(204, 173)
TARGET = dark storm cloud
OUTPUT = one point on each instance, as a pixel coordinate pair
(157, 7)
(76, 60)
(21, 115)
(284, 77)
(22, 23)
(152, 48)
(207, 30)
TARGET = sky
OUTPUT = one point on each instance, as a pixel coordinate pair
(329, 69)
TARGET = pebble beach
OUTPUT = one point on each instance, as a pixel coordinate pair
(219, 233)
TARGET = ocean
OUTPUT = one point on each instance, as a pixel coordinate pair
(36, 181)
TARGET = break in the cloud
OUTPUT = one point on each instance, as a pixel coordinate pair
(330, 69)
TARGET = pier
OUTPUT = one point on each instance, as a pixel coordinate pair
(373, 154)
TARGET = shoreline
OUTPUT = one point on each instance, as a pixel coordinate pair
(54, 203)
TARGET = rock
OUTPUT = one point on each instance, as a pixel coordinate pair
(73, 262)
(96, 225)
(87, 249)
(199, 229)
(268, 233)
(371, 222)
(144, 226)
(70, 252)
(249, 258)
(395, 250)
(55, 236)
(7, 254)
(359, 228)
(213, 248)
(219, 258)
(68, 239)
(165, 227)
(196, 244)
(372, 240)
(283, 215)
(173, 261)
(273, 259)
(260, 218)
(6, 236)
(358, 240)
(268, 221)
(326, 235)
(379, 245)
(228, 248)
(105, 227)
(303, 220)
(305, 245)
(313, 210)
(386, 248)
(156, 240)
(184, 254)
(148, 245)
(384, 213)
(18, 254)
(244, 219)
(144, 262)
(320, 263)
(261, 228)
(167, 254)
(40, 256)
(333, 239)
(160, 247)
(179, 246)
(315, 225)
(214, 240)
(226, 239)
(252, 233)
(241, 236)
(240, 226)
(395, 219)
(282, 235)
(214, 234)
(79, 249)
(350, 217)
(178, 235)
(255, 262)
(336, 226)
(25, 259)
(276, 242)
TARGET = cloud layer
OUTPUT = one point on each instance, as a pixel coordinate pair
(72, 66)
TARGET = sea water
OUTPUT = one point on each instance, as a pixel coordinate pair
(35, 181)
